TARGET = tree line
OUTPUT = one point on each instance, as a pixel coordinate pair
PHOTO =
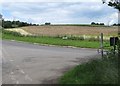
(93, 23)
(14, 24)
(116, 24)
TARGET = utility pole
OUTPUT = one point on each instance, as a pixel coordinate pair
(1, 21)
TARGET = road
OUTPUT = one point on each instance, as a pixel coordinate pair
(25, 63)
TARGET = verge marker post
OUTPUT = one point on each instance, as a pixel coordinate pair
(101, 46)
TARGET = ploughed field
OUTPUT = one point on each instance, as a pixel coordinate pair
(71, 30)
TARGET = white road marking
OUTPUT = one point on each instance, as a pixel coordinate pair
(12, 77)
(36, 43)
(17, 82)
(11, 60)
(12, 73)
(22, 71)
(18, 66)
(12, 40)
(28, 78)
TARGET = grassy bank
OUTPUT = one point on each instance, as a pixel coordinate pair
(102, 71)
(52, 40)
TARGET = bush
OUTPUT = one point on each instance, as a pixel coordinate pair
(93, 39)
(81, 38)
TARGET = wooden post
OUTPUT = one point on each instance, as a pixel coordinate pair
(114, 45)
(101, 42)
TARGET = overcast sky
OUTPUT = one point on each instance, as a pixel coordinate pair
(58, 11)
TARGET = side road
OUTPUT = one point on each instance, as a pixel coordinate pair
(25, 63)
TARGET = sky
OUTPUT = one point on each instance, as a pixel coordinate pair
(58, 11)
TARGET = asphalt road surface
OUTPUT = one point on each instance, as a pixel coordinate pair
(24, 63)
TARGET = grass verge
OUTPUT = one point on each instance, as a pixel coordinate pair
(52, 40)
(99, 71)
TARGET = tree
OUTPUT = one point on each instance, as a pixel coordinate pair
(116, 5)
(97, 23)
(114, 24)
(47, 23)
(93, 23)
(102, 24)
(113, 3)
(7, 24)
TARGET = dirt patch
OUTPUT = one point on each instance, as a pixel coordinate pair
(19, 30)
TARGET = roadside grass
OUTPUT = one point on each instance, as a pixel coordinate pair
(52, 40)
(99, 71)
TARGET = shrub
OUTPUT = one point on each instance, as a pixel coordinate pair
(81, 38)
(93, 39)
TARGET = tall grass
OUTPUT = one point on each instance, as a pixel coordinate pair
(99, 71)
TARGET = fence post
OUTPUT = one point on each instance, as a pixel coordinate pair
(101, 43)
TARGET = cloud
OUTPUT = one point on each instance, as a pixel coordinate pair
(62, 12)
(4, 1)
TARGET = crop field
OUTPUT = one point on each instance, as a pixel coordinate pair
(71, 30)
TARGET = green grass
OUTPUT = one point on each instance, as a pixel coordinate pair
(52, 40)
(99, 71)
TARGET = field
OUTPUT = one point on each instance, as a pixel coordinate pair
(71, 30)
